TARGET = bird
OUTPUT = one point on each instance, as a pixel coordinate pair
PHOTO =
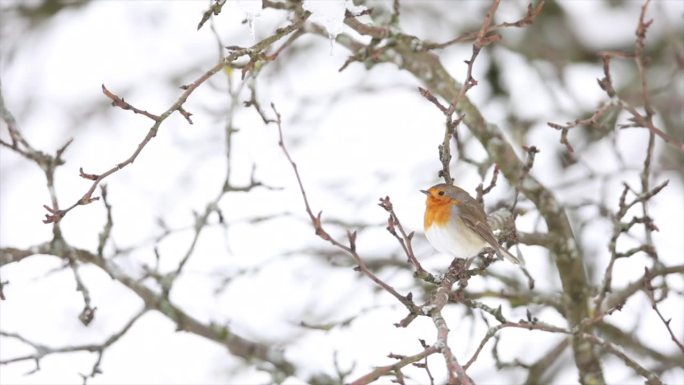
(456, 224)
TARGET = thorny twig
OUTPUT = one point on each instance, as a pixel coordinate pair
(482, 191)
(606, 83)
(436, 303)
(55, 214)
(214, 9)
(528, 19)
(351, 235)
(593, 120)
(404, 239)
(118, 101)
(654, 305)
(643, 197)
(42, 351)
(483, 38)
(651, 377)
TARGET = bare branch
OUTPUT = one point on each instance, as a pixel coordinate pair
(530, 16)
(121, 103)
(55, 214)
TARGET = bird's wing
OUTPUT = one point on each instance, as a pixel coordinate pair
(475, 218)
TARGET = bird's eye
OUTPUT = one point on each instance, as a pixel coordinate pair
(440, 193)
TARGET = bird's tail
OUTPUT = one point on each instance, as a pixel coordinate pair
(503, 253)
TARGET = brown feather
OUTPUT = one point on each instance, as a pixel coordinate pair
(475, 218)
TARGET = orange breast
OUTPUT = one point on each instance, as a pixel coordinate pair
(436, 213)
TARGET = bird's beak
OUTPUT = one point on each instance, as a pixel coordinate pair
(425, 192)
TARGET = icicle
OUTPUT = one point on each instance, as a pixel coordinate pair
(332, 37)
(251, 20)
(330, 14)
(251, 10)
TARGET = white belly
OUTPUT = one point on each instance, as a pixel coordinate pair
(455, 239)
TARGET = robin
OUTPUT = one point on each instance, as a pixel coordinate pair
(456, 224)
